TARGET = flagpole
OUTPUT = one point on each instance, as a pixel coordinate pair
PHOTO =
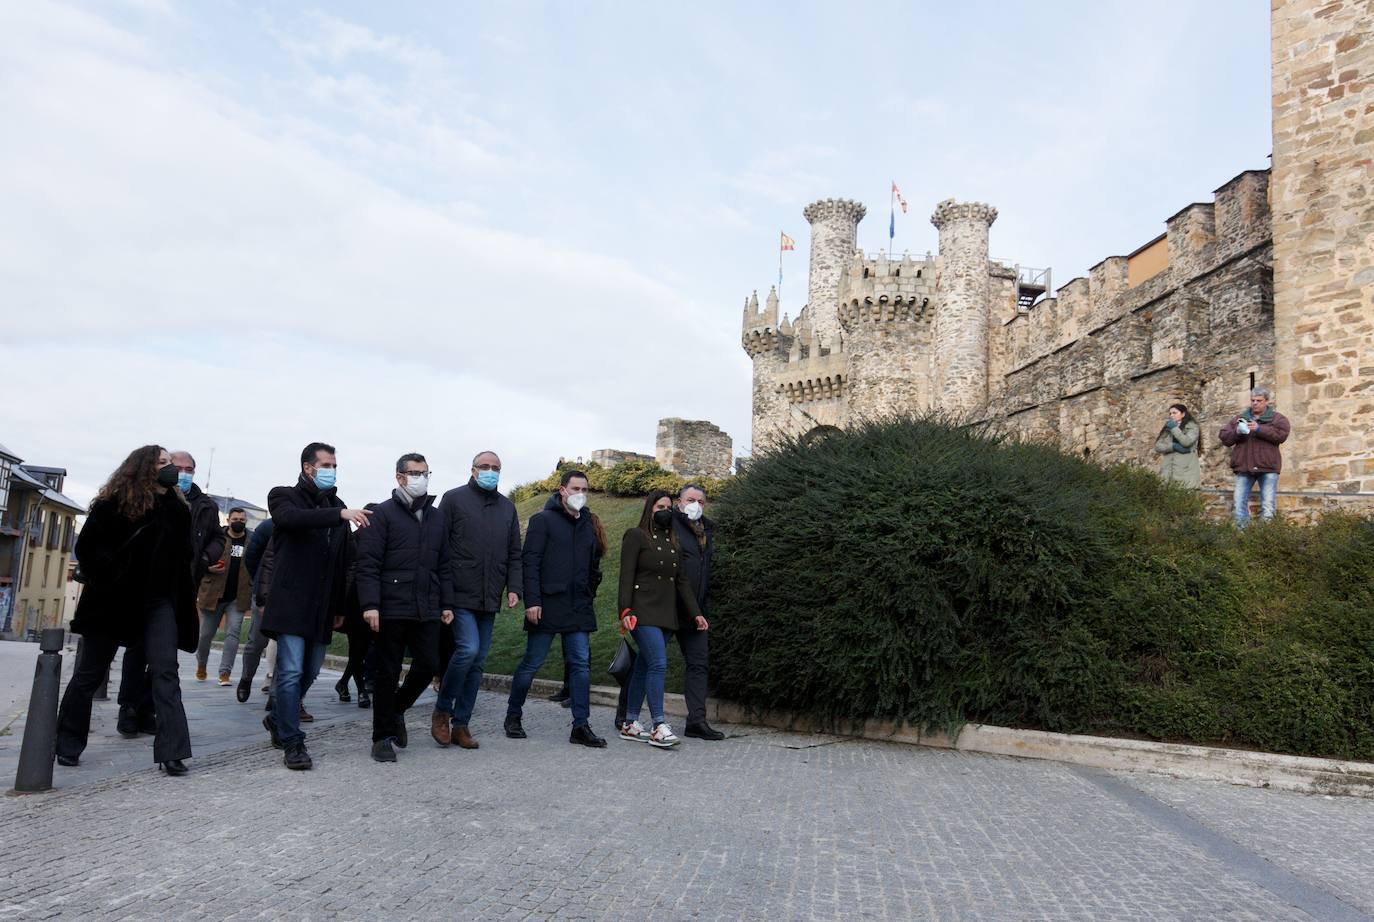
(891, 219)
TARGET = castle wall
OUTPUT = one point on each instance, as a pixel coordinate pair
(960, 358)
(693, 448)
(609, 457)
(1323, 229)
(834, 232)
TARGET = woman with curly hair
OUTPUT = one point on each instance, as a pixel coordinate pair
(135, 552)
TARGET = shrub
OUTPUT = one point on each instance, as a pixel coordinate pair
(919, 570)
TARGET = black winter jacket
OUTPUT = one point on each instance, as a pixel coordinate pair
(404, 564)
(696, 561)
(128, 563)
(311, 553)
(257, 547)
(562, 568)
(484, 536)
(207, 537)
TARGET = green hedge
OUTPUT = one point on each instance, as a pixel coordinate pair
(628, 478)
(935, 574)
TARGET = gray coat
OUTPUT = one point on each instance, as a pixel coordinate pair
(1181, 467)
(484, 542)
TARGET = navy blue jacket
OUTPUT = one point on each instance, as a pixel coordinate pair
(562, 565)
(257, 546)
(484, 535)
(404, 567)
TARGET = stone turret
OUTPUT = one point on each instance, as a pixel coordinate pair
(960, 348)
(767, 347)
(834, 235)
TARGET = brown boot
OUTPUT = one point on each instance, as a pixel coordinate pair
(439, 728)
(463, 738)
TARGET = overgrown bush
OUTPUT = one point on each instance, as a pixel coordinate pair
(936, 574)
(628, 478)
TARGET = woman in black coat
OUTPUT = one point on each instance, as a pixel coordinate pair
(136, 556)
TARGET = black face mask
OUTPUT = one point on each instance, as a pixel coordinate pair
(663, 517)
(236, 527)
(167, 475)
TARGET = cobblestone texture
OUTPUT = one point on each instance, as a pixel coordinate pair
(764, 825)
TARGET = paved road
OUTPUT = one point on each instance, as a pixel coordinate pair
(766, 825)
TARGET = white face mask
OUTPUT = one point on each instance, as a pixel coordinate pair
(692, 510)
(417, 485)
(577, 501)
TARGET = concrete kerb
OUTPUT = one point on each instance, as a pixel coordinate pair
(1200, 763)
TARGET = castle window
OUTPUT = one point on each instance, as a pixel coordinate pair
(897, 271)
(865, 272)
(918, 273)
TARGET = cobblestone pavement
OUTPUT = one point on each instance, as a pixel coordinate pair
(765, 825)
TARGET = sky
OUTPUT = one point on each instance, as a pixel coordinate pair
(237, 227)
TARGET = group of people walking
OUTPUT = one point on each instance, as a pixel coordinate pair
(1253, 435)
(407, 576)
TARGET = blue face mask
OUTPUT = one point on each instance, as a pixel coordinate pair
(325, 477)
(488, 480)
(184, 481)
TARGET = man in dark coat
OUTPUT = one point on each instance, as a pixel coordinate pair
(207, 546)
(1254, 436)
(404, 581)
(696, 538)
(311, 549)
(257, 640)
(484, 536)
(561, 564)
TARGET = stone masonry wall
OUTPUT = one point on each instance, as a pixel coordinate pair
(1323, 227)
(834, 231)
(609, 457)
(693, 448)
(960, 358)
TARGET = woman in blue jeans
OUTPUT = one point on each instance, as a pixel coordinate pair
(653, 588)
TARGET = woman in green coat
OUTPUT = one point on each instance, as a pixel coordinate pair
(653, 584)
(1179, 443)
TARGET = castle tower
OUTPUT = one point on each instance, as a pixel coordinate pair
(1320, 193)
(767, 348)
(834, 235)
(960, 360)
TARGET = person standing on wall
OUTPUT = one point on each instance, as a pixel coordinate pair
(653, 584)
(136, 552)
(696, 543)
(561, 569)
(405, 584)
(311, 547)
(225, 593)
(1254, 436)
(484, 537)
(1179, 443)
(136, 711)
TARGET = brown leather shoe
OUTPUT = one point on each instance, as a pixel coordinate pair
(439, 728)
(200, 673)
(463, 738)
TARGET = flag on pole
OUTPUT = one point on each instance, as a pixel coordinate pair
(897, 194)
(788, 243)
(892, 213)
(785, 243)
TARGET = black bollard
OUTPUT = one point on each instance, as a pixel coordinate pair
(39, 748)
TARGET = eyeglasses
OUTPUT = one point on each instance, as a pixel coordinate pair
(417, 473)
(487, 467)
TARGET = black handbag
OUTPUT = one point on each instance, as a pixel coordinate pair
(623, 663)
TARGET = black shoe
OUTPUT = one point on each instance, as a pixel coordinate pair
(401, 736)
(341, 689)
(297, 759)
(703, 731)
(69, 761)
(271, 726)
(364, 698)
(174, 767)
(127, 725)
(148, 725)
(584, 736)
(561, 695)
(514, 730)
(244, 691)
(382, 751)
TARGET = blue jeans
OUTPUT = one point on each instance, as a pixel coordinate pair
(298, 663)
(463, 677)
(651, 667)
(577, 655)
(1269, 489)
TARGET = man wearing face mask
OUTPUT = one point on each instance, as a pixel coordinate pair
(311, 549)
(484, 537)
(207, 541)
(405, 585)
(561, 569)
(697, 545)
(225, 593)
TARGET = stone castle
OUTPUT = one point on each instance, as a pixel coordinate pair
(1270, 284)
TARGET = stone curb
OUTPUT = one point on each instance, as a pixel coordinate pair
(1303, 774)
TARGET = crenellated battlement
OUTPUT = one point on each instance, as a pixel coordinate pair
(831, 209)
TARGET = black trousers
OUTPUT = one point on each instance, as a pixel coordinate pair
(389, 703)
(696, 653)
(359, 642)
(135, 686)
(173, 740)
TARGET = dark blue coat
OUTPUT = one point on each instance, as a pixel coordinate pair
(562, 565)
(311, 551)
(404, 565)
(484, 535)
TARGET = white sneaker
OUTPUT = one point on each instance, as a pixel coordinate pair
(634, 732)
(663, 737)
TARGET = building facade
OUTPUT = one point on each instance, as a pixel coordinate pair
(37, 537)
